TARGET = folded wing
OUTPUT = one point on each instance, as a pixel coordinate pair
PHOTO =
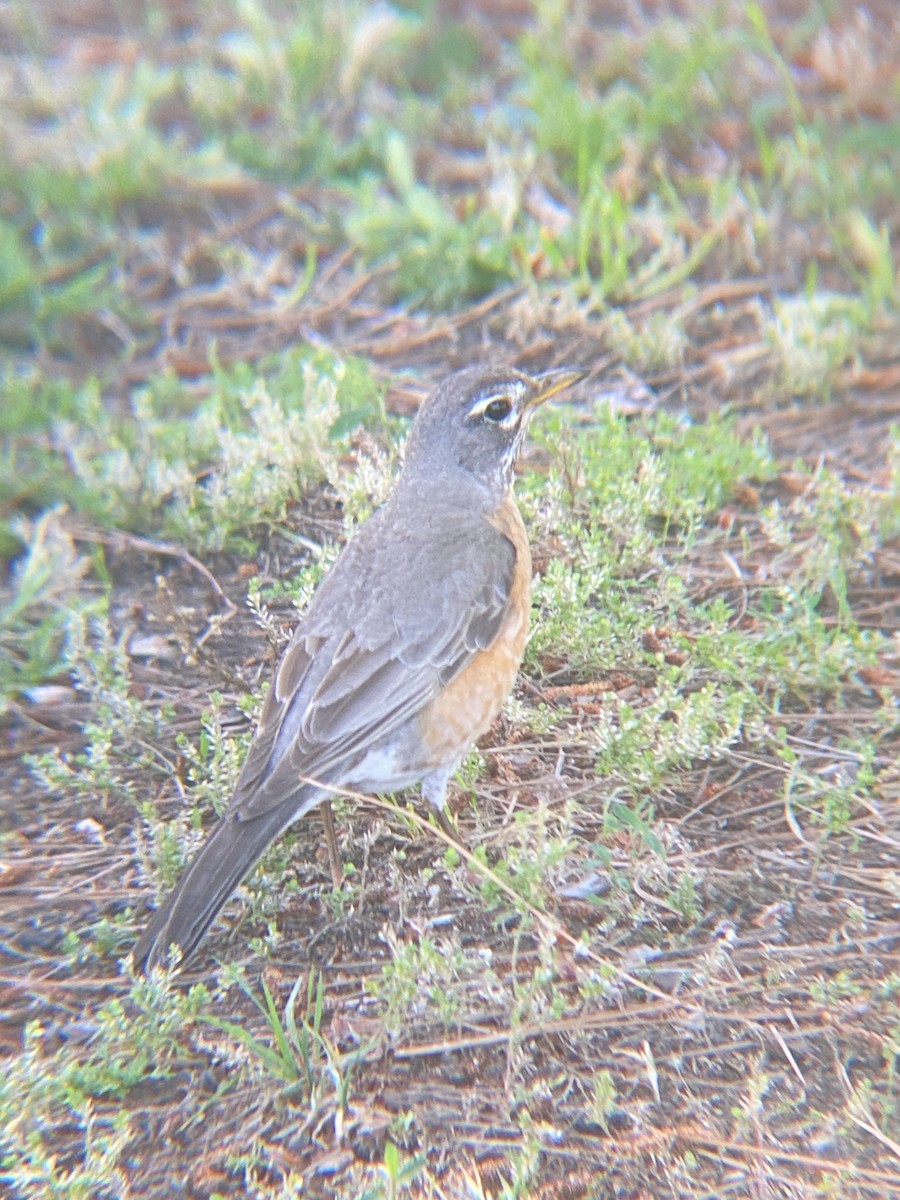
(350, 677)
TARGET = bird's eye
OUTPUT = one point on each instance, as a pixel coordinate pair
(498, 410)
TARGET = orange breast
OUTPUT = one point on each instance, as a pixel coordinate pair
(469, 703)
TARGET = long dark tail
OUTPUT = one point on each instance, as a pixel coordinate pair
(230, 852)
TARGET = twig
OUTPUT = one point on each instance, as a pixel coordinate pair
(119, 538)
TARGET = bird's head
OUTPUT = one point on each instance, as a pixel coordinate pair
(476, 420)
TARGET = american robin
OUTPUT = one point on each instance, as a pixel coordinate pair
(408, 648)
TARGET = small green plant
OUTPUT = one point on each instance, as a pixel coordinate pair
(523, 1164)
(641, 746)
(831, 990)
(813, 336)
(833, 793)
(602, 1103)
(750, 1112)
(427, 976)
(202, 471)
(33, 607)
(442, 259)
(71, 1096)
(293, 1052)
(659, 344)
(537, 846)
(123, 731)
(398, 1173)
(210, 767)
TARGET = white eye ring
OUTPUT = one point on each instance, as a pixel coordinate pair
(500, 407)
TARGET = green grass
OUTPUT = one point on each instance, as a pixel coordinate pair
(33, 613)
(200, 464)
(257, 101)
(49, 1093)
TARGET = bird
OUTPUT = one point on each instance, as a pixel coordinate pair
(406, 652)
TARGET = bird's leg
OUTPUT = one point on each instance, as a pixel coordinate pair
(447, 826)
(434, 790)
(334, 857)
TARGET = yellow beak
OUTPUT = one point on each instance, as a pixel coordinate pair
(550, 383)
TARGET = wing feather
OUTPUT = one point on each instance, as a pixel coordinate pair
(350, 677)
